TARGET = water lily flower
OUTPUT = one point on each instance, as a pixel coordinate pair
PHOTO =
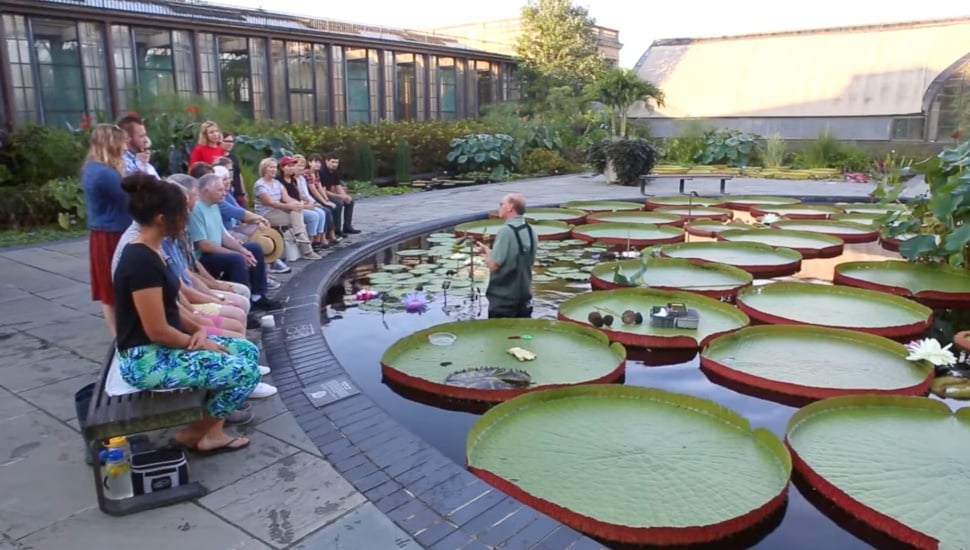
(769, 218)
(415, 302)
(366, 294)
(929, 349)
(630, 254)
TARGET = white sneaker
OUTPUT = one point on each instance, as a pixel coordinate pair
(263, 390)
(279, 266)
(272, 284)
(264, 370)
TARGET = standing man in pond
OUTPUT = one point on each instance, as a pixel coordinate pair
(510, 260)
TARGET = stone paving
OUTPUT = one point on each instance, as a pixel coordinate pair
(280, 492)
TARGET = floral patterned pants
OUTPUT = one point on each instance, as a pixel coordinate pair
(231, 376)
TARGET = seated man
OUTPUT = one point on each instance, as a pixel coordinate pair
(337, 192)
(219, 252)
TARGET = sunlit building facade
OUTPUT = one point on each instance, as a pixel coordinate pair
(896, 82)
(63, 59)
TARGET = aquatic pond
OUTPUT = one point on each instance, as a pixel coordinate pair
(443, 268)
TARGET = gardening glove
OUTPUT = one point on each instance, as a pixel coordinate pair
(521, 354)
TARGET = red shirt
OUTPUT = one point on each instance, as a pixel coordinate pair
(206, 153)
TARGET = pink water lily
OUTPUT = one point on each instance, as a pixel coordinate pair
(366, 294)
(415, 302)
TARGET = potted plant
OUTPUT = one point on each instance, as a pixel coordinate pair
(621, 159)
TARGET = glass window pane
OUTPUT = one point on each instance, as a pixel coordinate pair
(322, 75)
(483, 71)
(299, 59)
(339, 98)
(406, 90)
(301, 107)
(184, 63)
(18, 53)
(953, 100)
(124, 59)
(277, 79)
(153, 58)
(234, 70)
(208, 66)
(358, 86)
(257, 54)
(59, 68)
(95, 73)
(447, 89)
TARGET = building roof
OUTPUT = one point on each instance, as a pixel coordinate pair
(847, 71)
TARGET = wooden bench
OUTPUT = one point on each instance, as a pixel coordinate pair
(132, 414)
(683, 178)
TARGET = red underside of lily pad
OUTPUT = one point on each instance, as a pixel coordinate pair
(795, 395)
(898, 332)
(759, 271)
(663, 536)
(485, 395)
(934, 299)
(877, 520)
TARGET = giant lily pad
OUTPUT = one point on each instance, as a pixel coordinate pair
(632, 464)
(807, 243)
(681, 200)
(545, 230)
(757, 259)
(602, 206)
(859, 217)
(870, 208)
(706, 278)
(892, 243)
(797, 211)
(651, 218)
(896, 463)
(935, 285)
(566, 215)
(716, 317)
(808, 363)
(745, 202)
(710, 228)
(565, 354)
(835, 306)
(849, 232)
(697, 212)
(636, 235)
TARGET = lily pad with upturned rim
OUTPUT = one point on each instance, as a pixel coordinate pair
(602, 206)
(870, 208)
(860, 218)
(681, 200)
(716, 317)
(810, 363)
(710, 228)
(745, 202)
(892, 243)
(895, 463)
(849, 232)
(545, 230)
(632, 464)
(697, 213)
(571, 216)
(710, 279)
(934, 285)
(758, 259)
(649, 218)
(835, 306)
(566, 354)
(635, 234)
(796, 211)
(808, 244)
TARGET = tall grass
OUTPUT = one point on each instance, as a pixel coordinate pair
(825, 152)
(774, 151)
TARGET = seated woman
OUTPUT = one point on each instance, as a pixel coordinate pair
(157, 347)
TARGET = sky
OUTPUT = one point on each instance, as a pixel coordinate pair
(640, 22)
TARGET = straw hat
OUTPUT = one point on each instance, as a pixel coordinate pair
(271, 242)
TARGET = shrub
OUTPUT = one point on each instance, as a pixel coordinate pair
(496, 153)
(402, 162)
(725, 146)
(824, 152)
(36, 154)
(774, 151)
(68, 194)
(27, 206)
(365, 162)
(630, 158)
(543, 161)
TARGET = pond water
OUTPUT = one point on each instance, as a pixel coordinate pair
(359, 333)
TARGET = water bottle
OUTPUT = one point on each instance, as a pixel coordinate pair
(116, 469)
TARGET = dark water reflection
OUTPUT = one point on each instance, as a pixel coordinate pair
(358, 338)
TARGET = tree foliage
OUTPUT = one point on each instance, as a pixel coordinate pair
(557, 45)
(618, 89)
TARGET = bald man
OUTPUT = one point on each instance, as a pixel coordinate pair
(510, 260)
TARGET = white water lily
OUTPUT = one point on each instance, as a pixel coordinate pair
(769, 218)
(929, 349)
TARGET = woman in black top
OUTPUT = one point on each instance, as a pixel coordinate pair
(157, 347)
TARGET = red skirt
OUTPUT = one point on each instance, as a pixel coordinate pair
(101, 248)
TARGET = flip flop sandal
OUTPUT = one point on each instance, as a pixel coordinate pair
(227, 448)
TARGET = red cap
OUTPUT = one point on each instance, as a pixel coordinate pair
(286, 160)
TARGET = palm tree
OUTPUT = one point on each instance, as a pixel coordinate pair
(618, 89)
